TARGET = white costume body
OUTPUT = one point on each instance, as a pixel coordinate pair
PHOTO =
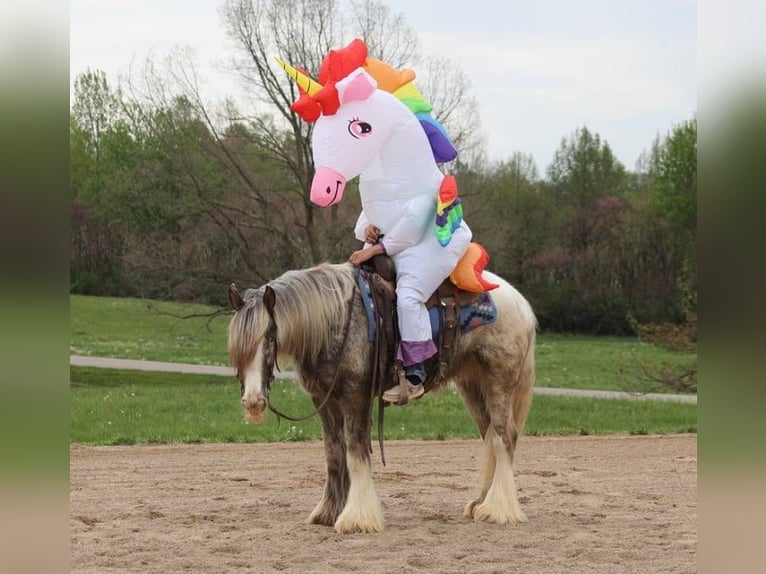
(402, 204)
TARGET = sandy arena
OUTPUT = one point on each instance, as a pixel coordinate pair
(595, 505)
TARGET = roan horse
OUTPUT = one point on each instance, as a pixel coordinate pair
(315, 316)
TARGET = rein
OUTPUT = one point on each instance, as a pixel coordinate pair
(272, 334)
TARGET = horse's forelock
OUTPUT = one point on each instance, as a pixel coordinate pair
(245, 331)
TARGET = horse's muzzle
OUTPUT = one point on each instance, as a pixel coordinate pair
(255, 407)
(327, 187)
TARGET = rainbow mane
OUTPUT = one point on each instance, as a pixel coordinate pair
(441, 144)
(410, 96)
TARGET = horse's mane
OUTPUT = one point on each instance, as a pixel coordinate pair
(311, 306)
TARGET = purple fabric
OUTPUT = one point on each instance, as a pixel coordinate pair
(413, 352)
(441, 146)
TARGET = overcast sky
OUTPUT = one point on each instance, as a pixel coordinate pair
(625, 68)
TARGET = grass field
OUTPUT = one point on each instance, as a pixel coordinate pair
(138, 329)
(127, 407)
(142, 329)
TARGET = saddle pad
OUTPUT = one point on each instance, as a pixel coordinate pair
(482, 312)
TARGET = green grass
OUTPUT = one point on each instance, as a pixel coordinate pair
(129, 407)
(602, 363)
(136, 329)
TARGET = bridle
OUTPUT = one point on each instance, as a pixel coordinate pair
(271, 350)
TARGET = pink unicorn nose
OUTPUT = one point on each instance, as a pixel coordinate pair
(327, 187)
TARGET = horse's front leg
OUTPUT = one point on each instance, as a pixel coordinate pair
(363, 512)
(336, 485)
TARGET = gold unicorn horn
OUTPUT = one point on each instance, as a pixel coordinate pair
(310, 86)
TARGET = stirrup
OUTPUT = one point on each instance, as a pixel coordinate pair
(403, 392)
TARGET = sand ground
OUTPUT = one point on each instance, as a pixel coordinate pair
(595, 504)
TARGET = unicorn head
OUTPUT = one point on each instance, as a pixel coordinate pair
(357, 104)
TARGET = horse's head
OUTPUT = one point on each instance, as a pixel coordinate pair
(253, 351)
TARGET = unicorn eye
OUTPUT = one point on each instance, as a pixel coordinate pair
(359, 129)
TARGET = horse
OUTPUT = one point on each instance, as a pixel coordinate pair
(316, 317)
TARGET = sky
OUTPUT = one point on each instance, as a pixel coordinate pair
(539, 70)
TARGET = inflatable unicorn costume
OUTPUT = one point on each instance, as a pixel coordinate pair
(372, 122)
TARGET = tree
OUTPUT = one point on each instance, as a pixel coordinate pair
(387, 35)
(584, 170)
(674, 201)
(447, 87)
(517, 209)
(674, 172)
(95, 111)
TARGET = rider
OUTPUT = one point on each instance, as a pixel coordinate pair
(422, 264)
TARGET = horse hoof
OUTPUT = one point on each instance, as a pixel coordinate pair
(321, 519)
(346, 525)
(485, 513)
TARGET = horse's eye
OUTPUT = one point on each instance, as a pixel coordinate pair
(359, 129)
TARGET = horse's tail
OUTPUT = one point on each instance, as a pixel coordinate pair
(522, 395)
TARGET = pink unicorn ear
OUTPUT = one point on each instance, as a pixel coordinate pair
(358, 85)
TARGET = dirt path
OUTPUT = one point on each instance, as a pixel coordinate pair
(607, 504)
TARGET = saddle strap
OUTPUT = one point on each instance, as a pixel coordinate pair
(451, 330)
(383, 294)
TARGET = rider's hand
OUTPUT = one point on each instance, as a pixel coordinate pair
(362, 255)
(371, 234)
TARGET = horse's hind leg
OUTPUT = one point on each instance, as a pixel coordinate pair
(363, 512)
(508, 404)
(501, 503)
(336, 485)
(475, 404)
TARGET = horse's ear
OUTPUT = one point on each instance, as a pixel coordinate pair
(235, 299)
(359, 85)
(269, 299)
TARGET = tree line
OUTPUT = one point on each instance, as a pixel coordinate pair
(172, 198)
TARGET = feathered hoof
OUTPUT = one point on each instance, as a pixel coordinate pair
(470, 507)
(324, 518)
(487, 513)
(347, 524)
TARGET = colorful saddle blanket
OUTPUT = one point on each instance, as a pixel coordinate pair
(482, 312)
